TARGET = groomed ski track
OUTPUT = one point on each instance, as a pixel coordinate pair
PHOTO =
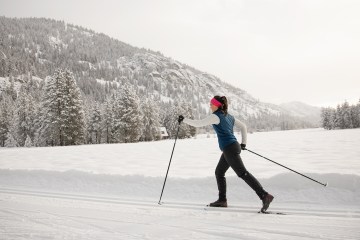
(57, 215)
(175, 204)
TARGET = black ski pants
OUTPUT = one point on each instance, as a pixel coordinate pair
(231, 158)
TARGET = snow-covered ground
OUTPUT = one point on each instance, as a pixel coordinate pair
(111, 191)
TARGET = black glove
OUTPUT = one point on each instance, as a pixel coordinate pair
(180, 119)
(243, 146)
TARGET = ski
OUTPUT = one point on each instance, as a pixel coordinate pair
(230, 209)
(272, 212)
(215, 207)
(236, 209)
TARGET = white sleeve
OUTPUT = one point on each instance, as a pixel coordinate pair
(212, 119)
(243, 130)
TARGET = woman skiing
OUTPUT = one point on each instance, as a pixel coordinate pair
(223, 124)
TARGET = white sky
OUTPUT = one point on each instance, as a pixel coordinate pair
(277, 50)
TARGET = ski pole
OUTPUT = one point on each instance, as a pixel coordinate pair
(169, 164)
(324, 184)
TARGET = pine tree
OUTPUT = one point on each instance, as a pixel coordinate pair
(10, 141)
(95, 126)
(170, 120)
(4, 126)
(191, 132)
(24, 117)
(353, 117)
(6, 113)
(73, 118)
(127, 115)
(150, 120)
(2, 67)
(10, 90)
(50, 131)
(171, 123)
(115, 118)
(326, 118)
(62, 120)
(357, 115)
(337, 120)
(28, 142)
(345, 114)
(107, 123)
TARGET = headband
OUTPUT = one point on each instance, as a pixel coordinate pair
(216, 102)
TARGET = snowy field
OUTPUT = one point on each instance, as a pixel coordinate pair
(111, 191)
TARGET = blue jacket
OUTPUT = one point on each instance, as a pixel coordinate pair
(225, 129)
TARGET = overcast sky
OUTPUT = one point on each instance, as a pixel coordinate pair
(276, 50)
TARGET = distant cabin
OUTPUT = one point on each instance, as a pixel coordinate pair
(163, 133)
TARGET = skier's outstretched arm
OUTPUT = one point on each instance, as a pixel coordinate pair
(243, 130)
(212, 119)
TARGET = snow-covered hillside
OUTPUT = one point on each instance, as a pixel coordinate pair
(111, 191)
(188, 82)
(303, 110)
(100, 62)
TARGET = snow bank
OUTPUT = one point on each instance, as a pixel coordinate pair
(306, 151)
(288, 188)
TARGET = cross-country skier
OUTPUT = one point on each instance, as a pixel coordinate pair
(223, 124)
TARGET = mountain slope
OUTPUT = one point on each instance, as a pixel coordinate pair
(303, 110)
(100, 64)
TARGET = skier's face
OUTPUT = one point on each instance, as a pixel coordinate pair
(213, 107)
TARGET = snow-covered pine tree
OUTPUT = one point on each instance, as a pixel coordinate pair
(114, 118)
(170, 117)
(2, 67)
(4, 125)
(107, 122)
(127, 118)
(191, 132)
(185, 109)
(95, 124)
(356, 115)
(333, 118)
(62, 116)
(10, 90)
(50, 122)
(326, 118)
(150, 120)
(345, 116)
(6, 113)
(10, 141)
(336, 118)
(28, 142)
(24, 117)
(87, 113)
(72, 113)
(164, 109)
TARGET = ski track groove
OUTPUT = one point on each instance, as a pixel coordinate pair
(72, 223)
(22, 218)
(68, 224)
(177, 205)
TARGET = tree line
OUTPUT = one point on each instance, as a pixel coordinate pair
(342, 117)
(56, 113)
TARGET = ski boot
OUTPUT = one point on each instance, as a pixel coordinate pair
(218, 203)
(266, 202)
